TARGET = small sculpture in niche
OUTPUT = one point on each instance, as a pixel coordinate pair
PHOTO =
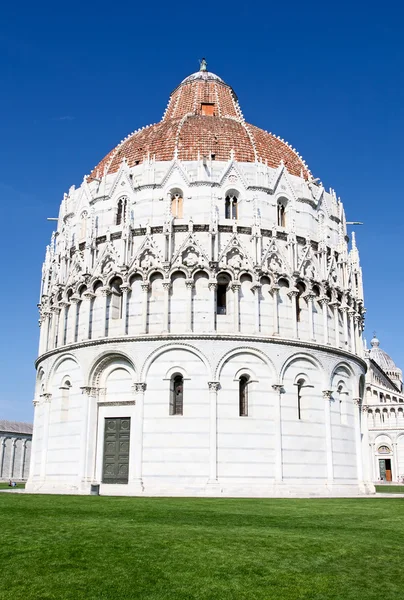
(147, 260)
(234, 259)
(274, 263)
(190, 257)
(107, 265)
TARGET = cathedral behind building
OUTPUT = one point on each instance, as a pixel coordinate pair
(201, 319)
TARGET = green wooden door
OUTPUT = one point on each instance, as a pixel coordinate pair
(116, 450)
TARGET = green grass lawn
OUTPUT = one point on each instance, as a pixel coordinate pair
(390, 489)
(70, 547)
(4, 486)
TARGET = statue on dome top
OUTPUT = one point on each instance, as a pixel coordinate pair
(203, 65)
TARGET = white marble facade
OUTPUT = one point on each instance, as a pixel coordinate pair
(15, 450)
(384, 410)
(258, 309)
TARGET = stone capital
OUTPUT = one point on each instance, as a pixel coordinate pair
(139, 387)
(213, 386)
(105, 291)
(274, 289)
(189, 283)
(212, 285)
(125, 288)
(75, 299)
(327, 394)
(278, 387)
(89, 391)
(235, 287)
(46, 397)
(145, 287)
(357, 401)
(324, 300)
(293, 292)
(88, 295)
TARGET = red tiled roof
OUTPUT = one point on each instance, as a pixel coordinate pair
(185, 130)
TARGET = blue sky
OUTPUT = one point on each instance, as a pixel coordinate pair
(327, 78)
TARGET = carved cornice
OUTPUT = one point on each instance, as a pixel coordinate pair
(117, 403)
(174, 337)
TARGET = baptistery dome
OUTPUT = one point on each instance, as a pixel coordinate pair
(203, 119)
(201, 318)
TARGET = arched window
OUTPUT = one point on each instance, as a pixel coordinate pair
(176, 394)
(243, 395)
(177, 204)
(116, 298)
(231, 206)
(221, 294)
(299, 384)
(281, 214)
(121, 210)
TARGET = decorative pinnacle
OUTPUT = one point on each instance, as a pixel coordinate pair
(203, 65)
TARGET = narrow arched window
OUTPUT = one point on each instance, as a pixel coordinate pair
(281, 215)
(243, 395)
(221, 294)
(231, 207)
(177, 395)
(300, 385)
(177, 205)
(121, 210)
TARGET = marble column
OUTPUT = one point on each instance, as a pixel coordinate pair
(105, 293)
(45, 433)
(367, 476)
(125, 289)
(189, 283)
(166, 305)
(62, 320)
(293, 297)
(12, 458)
(395, 462)
(236, 306)
(139, 389)
(214, 387)
(309, 297)
(55, 310)
(335, 306)
(324, 304)
(275, 297)
(351, 313)
(358, 438)
(145, 301)
(85, 308)
(256, 288)
(74, 322)
(327, 395)
(278, 389)
(212, 289)
(344, 310)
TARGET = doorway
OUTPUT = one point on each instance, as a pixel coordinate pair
(116, 450)
(385, 469)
